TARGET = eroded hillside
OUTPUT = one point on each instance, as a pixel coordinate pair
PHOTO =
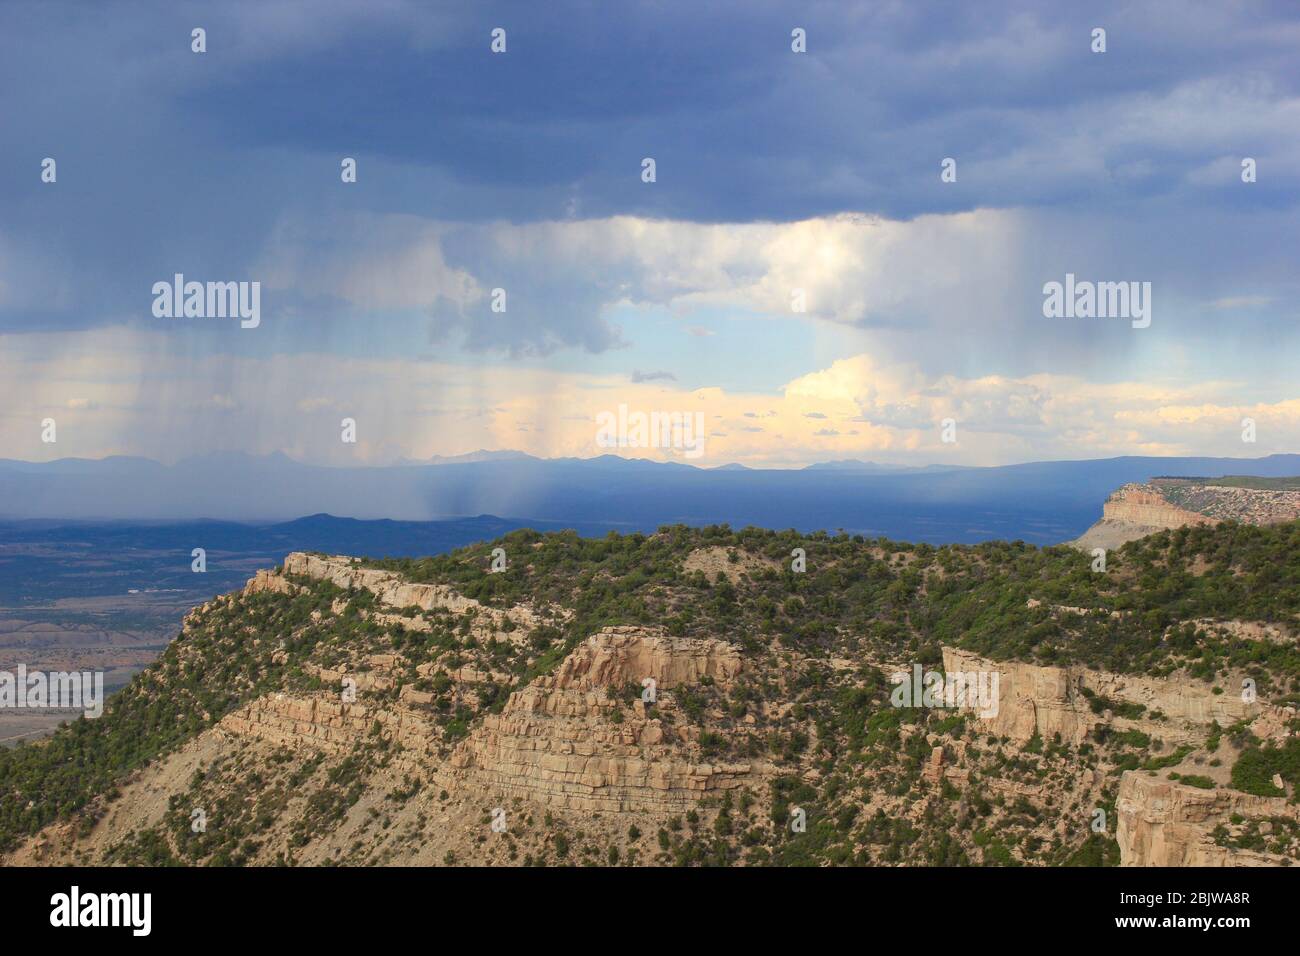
(1137, 510)
(690, 698)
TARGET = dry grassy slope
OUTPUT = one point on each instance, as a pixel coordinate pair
(574, 767)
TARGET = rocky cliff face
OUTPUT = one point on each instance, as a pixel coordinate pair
(326, 723)
(579, 741)
(394, 592)
(1070, 701)
(1162, 823)
(1225, 502)
(334, 713)
(556, 741)
(1146, 506)
(387, 587)
(1137, 510)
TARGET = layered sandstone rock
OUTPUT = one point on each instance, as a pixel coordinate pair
(556, 742)
(1052, 700)
(268, 581)
(328, 724)
(1030, 699)
(389, 588)
(618, 655)
(1162, 823)
(392, 591)
(1146, 506)
(1137, 510)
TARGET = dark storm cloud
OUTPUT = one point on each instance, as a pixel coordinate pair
(175, 162)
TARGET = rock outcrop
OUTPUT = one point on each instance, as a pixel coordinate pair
(392, 591)
(1137, 510)
(619, 655)
(326, 723)
(1052, 700)
(1146, 506)
(557, 740)
(389, 588)
(1163, 823)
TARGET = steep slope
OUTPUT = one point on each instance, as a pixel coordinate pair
(688, 698)
(1137, 510)
(1162, 823)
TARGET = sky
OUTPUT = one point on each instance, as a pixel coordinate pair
(842, 253)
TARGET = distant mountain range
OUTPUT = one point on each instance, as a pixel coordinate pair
(1039, 502)
(875, 468)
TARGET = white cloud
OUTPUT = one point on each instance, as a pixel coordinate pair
(562, 277)
(122, 392)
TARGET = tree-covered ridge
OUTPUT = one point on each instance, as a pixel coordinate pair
(899, 597)
(1253, 481)
(224, 656)
(859, 601)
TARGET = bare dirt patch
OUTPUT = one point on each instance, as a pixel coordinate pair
(728, 561)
